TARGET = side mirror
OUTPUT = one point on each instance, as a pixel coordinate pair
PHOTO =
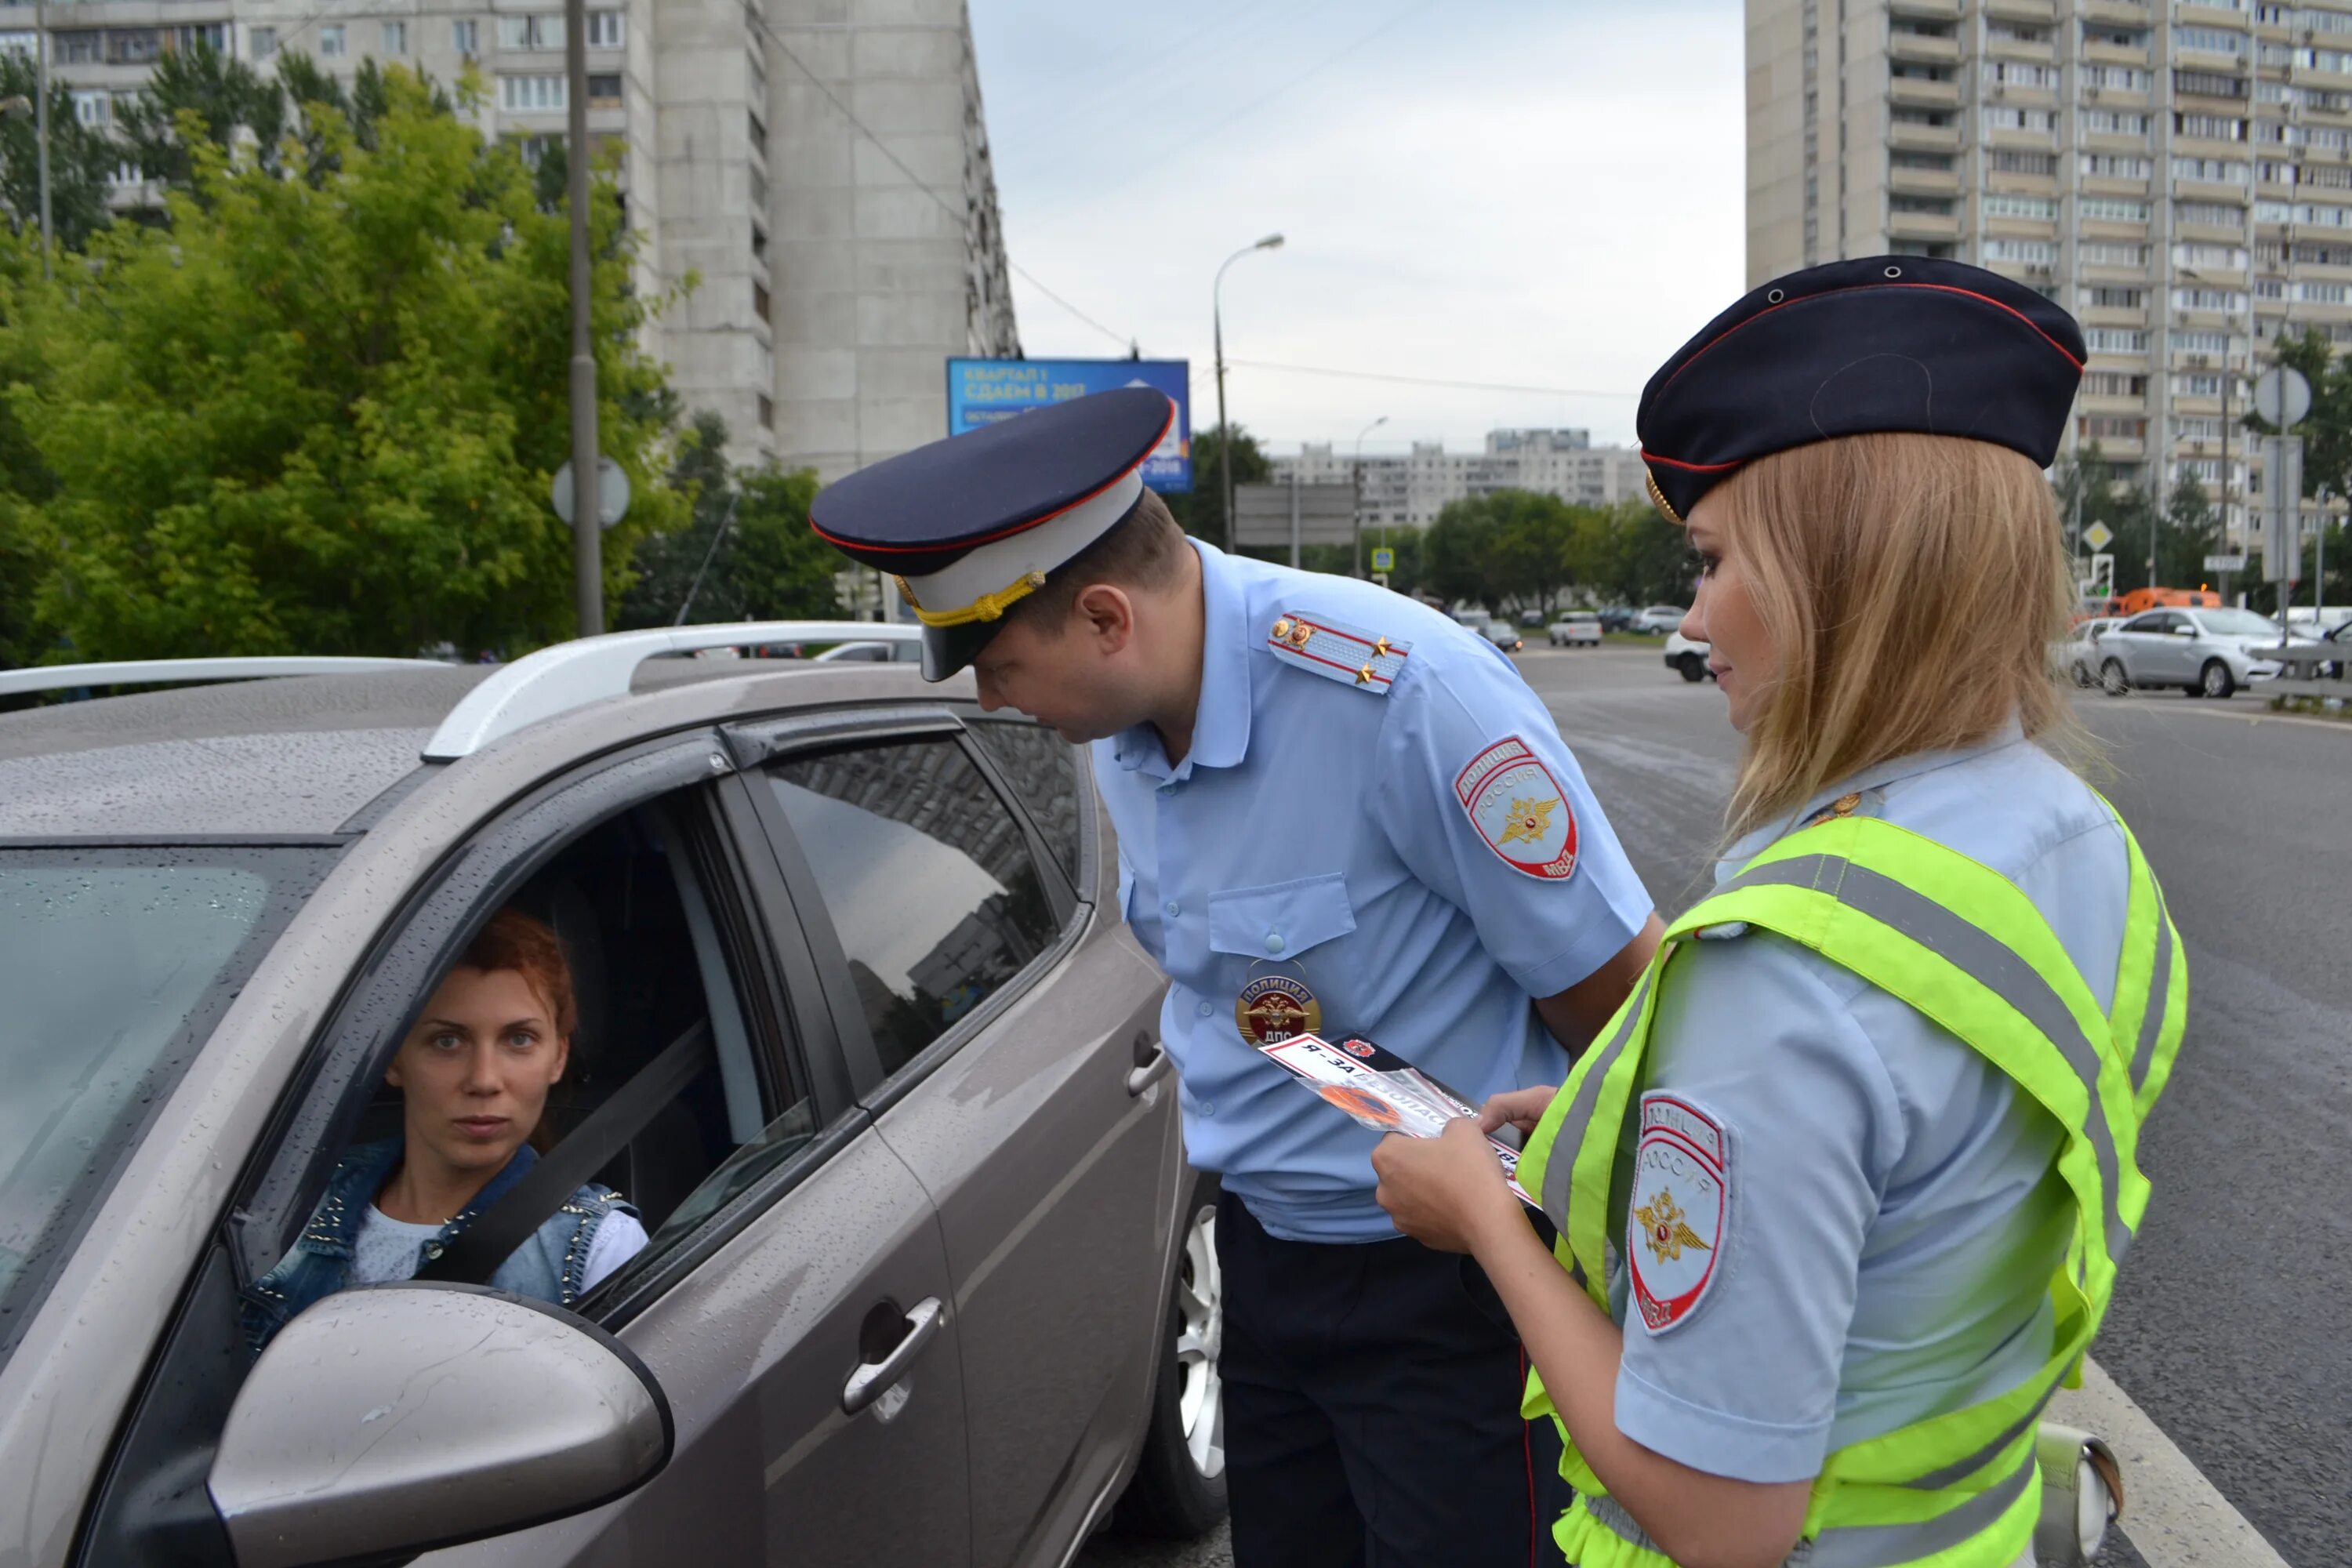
(392, 1418)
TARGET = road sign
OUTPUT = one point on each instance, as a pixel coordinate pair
(612, 492)
(2098, 536)
(2281, 507)
(984, 391)
(2282, 396)
(2225, 563)
(1383, 559)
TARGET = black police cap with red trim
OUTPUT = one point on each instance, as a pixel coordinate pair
(1854, 348)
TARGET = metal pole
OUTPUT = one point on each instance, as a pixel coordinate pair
(41, 123)
(587, 482)
(1294, 520)
(1357, 567)
(1224, 431)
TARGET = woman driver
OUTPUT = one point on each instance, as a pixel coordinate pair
(473, 1076)
(1863, 1138)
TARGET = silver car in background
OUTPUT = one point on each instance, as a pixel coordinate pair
(862, 1034)
(2202, 652)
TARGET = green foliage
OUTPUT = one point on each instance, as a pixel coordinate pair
(82, 162)
(1537, 551)
(1202, 512)
(768, 564)
(320, 415)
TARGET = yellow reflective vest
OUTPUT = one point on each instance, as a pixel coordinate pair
(1964, 946)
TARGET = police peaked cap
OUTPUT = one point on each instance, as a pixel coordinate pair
(972, 525)
(1854, 348)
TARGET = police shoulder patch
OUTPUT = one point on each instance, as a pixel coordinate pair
(1519, 809)
(1336, 650)
(1680, 1209)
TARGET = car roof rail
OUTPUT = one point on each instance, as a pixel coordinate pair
(171, 671)
(569, 675)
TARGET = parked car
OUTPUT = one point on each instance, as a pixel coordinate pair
(2203, 652)
(1503, 634)
(1658, 619)
(1617, 617)
(1576, 628)
(863, 652)
(2076, 656)
(1686, 658)
(861, 1034)
(1530, 619)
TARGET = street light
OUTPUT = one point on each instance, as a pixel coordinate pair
(1224, 431)
(1357, 566)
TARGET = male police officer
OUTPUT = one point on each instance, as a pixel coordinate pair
(1333, 803)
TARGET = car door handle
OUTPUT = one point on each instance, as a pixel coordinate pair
(874, 1378)
(1151, 1065)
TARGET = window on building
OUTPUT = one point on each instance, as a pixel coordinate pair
(532, 94)
(1998, 32)
(2017, 73)
(2104, 297)
(879, 821)
(465, 37)
(2208, 84)
(395, 38)
(1937, 119)
(2111, 35)
(261, 42)
(2110, 123)
(2324, 253)
(1998, 205)
(2215, 212)
(2021, 252)
(93, 106)
(1919, 27)
(2115, 166)
(189, 38)
(2327, 176)
(1936, 163)
(2196, 298)
(2114, 384)
(1913, 70)
(2212, 40)
(2212, 127)
(1924, 206)
(2213, 171)
(2114, 339)
(127, 175)
(2112, 427)
(1934, 250)
(608, 29)
(2110, 209)
(2110, 253)
(133, 46)
(767, 412)
(2197, 383)
(2123, 78)
(19, 44)
(2006, 117)
(2229, 257)
(605, 91)
(536, 31)
(79, 49)
(2200, 343)
(333, 45)
(2011, 161)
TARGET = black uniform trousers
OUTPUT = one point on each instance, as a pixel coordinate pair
(1373, 1409)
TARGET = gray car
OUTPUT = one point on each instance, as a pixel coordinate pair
(861, 1034)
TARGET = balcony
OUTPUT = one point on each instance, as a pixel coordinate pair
(2021, 10)
(2130, 13)
(1921, 48)
(1937, 10)
(1922, 226)
(1926, 138)
(2115, 53)
(1923, 182)
(1911, 92)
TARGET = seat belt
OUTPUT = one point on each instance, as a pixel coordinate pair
(474, 1254)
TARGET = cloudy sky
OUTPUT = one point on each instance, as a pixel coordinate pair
(1533, 193)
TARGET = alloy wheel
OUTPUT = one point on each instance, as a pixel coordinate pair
(1200, 1340)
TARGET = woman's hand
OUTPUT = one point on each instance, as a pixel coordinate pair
(1519, 1108)
(1445, 1192)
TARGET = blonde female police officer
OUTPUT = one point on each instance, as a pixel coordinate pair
(1333, 804)
(1864, 1137)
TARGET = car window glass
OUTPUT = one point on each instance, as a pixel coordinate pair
(926, 877)
(113, 964)
(1041, 768)
(2151, 622)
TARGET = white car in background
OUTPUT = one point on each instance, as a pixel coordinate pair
(2076, 656)
(1686, 658)
(1576, 628)
(2205, 653)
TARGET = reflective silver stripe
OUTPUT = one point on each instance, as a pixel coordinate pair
(1891, 1545)
(1570, 1138)
(2160, 987)
(1947, 1474)
(1610, 1513)
(1985, 959)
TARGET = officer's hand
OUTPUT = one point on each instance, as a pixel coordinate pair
(1445, 1192)
(1519, 1108)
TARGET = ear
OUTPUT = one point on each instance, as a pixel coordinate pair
(392, 1073)
(1106, 614)
(562, 1058)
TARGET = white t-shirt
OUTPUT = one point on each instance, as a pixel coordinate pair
(386, 1249)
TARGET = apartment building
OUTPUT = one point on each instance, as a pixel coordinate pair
(2178, 175)
(1410, 490)
(835, 268)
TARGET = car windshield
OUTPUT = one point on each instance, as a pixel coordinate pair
(2237, 624)
(114, 963)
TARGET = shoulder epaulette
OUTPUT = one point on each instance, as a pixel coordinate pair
(1337, 651)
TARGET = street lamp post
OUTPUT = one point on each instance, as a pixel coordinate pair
(1357, 562)
(587, 476)
(41, 119)
(1224, 431)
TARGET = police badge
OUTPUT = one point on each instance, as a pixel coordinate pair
(1277, 1007)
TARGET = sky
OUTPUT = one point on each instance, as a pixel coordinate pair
(1532, 194)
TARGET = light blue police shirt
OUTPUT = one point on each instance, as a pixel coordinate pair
(1894, 1210)
(1315, 830)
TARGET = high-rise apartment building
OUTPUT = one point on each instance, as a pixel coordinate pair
(2178, 175)
(835, 268)
(1410, 490)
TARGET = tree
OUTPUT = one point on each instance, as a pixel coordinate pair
(769, 565)
(1652, 562)
(321, 417)
(2191, 531)
(199, 95)
(82, 162)
(1202, 510)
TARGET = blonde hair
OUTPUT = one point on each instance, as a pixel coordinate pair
(1912, 586)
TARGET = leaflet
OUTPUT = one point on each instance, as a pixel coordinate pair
(1381, 1090)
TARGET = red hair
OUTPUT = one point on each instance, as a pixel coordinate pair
(529, 946)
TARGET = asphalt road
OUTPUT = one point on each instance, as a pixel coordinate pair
(2232, 1327)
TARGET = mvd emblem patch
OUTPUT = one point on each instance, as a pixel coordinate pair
(1519, 809)
(1681, 1204)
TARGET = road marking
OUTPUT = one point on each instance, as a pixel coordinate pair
(2150, 705)
(2173, 1515)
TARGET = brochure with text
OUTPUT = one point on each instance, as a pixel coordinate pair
(1381, 1090)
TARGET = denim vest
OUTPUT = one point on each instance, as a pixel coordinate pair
(320, 1262)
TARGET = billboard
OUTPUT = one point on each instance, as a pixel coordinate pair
(983, 391)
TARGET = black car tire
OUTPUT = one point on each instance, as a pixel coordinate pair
(1693, 667)
(2112, 680)
(2214, 680)
(2083, 676)
(1171, 1496)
